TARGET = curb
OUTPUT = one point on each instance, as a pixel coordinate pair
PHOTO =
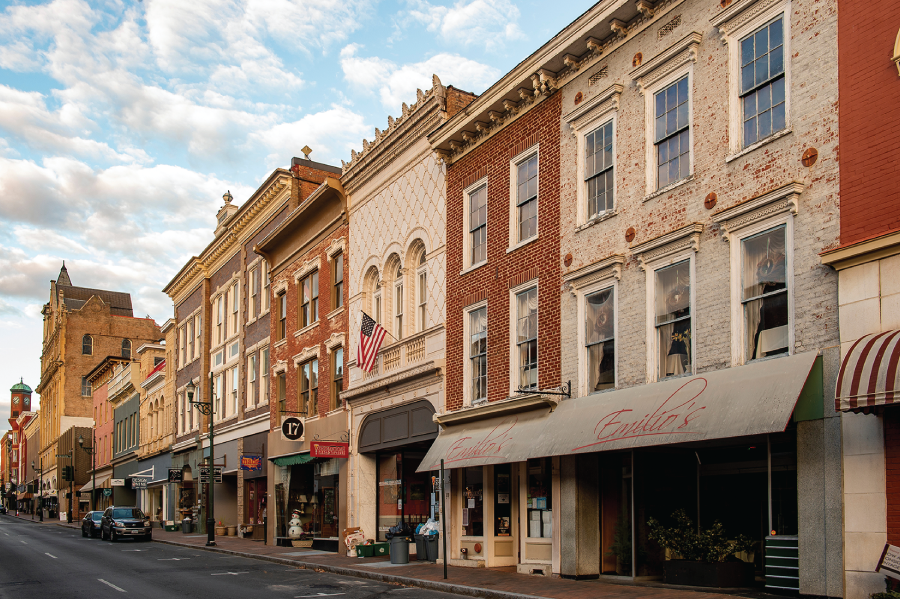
(444, 587)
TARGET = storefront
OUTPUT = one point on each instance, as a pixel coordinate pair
(155, 497)
(568, 485)
(125, 494)
(253, 471)
(306, 495)
(187, 493)
(226, 492)
(100, 500)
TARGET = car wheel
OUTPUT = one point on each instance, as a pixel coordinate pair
(112, 536)
(84, 534)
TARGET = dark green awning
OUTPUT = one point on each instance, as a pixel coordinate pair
(293, 460)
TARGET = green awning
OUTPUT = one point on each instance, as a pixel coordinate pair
(293, 460)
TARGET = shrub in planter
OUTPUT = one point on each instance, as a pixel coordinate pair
(706, 556)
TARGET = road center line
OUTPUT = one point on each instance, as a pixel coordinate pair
(231, 573)
(53, 556)
(121, 590)
(320, 595)
(24, 542)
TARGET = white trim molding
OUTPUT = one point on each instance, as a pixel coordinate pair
(308, 353)
(279, 367)
(680, 54)
(607, 269)
(597, 107)
(664, 246)
(514, 241)
(279, 287)
(784, 199)
(307, 267)
(335, 341)
(335, 247)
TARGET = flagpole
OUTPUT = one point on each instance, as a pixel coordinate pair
(384, 329)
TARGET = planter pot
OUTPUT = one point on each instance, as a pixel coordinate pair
(703, 574)
(220, 531)
(232, 531)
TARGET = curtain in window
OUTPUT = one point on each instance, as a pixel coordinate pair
(599, 332)
(526, 337)
(673, 312)
(765, 293)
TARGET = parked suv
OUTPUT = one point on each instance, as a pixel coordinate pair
(124, 521)
(90, 524)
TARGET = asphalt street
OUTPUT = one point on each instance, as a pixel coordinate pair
(43, 561)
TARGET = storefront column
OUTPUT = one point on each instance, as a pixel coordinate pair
(579, 517)
(367, 494)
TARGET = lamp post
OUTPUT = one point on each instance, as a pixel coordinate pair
(206, 408)
(90, 451)
(40, 504)
(32, 489)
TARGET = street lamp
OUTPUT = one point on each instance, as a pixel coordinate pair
(90, 452)
(206, 408)
(40, 504)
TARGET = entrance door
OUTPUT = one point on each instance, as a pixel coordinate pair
(502, 531)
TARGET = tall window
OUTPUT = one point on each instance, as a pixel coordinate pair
(422, 294)
(337, 381)
(764, 293)
(190, 338)
(478, 224)
(600, 310)
(309, 297)
(267, 283)
(338, 298)
(234, 308)
(182, 345)
(264, 390)
(526, 337)
(526, 197)
(220, 314)
(762, 81)
(85, 386)
(87, 345)
(281, 305)
(376, 307)
(251, 381)
(673, 137)
(126, 349)
(398, 303)
(673, 318)
(235, 387)
(282, 391)
(181, 415)
(309, 386)
(254, 292)
(598, 169)
(478, 352)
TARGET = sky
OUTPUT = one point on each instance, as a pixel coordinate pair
(122, 124)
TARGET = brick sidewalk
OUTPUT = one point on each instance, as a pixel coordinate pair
(499, 583)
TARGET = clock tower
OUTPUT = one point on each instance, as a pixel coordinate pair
(21, 403)
(21, 399)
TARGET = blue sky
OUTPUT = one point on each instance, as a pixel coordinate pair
(123, 123)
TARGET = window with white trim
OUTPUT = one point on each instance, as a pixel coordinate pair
(252, 398)
(234, 389)
(338, 270)
(527, 198)
(281, 305)
(217, 400)
(264, 266)
(762, 93)
(190, 338)
(599, 339)
(477, 353)
(197, 332)
(476, 213)
(422, 294)
(764, 293)
(672, 312)
(309, 299)
(183, 345)
(85, 387)
(526, 335)
(264, 376)
(253, 305)
(376, 306)
(220, 316)
(337, 377)
(308, 373)
(672, 134)
(235, 305)
(598, 170)
(398, 303)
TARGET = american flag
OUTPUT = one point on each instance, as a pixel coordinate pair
(371, 334)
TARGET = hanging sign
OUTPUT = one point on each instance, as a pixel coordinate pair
(117, 482)
(329, 449)
(292, 429)
(107, 492)
(204, 474)
(890, 561)
(138, 483)
(175, 475)
(251, 462)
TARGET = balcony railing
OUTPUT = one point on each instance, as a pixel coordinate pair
(402, 354)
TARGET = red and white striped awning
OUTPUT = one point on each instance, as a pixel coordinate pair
(870, 375)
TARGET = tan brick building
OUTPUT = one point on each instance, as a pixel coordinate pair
(81, 327)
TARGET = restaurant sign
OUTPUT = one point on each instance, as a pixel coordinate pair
(329, 449)
(890, 561)
(251, 462)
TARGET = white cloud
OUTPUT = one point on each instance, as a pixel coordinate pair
(396, 84)
(473, 23)
(332, 132)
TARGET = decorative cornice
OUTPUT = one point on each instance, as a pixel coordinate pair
(279, 366)
(603, 102)
(399, 377)
(739, 13)
(308, 353)
(307, 267)
(682, 52)
(335, 341)
(503, 407)
(336, 245)
(607, 268)
(279, 287)
(784, 199)
(671, 243)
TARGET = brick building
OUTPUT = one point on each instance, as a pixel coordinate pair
(157, 430)
(100, 497)
(81, 327)
(222, 330)
(670, 174)
(397, 255)
(867, 259)
(307, 261)
(31, 464)
(19, 415)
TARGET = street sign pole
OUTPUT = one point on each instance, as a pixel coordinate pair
(444, 518)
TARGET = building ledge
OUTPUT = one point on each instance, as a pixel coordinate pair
(504, 407)
(862, 251)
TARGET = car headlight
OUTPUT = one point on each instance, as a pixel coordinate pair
(119, 524)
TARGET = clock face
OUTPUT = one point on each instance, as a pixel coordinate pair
(16, 401)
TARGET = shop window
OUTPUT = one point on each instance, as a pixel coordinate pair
(600, 310)
(403, 494)
(539, 502)
(673, 319)
(309, 298)
(309, 387)
(337, 382)
(502, 500)
(764, 293)
(473, 501)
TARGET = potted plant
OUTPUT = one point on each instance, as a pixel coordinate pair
(621, 547)
(220, 529)
(705, 558)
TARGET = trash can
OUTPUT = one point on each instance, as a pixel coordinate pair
(420, 547)
(187, 526)
(400, 550)
(431, 548)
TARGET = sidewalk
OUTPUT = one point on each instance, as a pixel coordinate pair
(489, 583)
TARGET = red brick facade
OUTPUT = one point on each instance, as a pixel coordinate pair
(538, 260)
(869, 119)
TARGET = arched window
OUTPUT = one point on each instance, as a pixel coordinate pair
(370, 284)
(398, 302)
(87, 345)
(126, 349)
(421, 284)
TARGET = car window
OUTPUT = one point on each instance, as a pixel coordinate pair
(96, 515)
(128, 513)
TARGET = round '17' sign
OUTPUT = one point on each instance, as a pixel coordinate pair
(292, 428)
